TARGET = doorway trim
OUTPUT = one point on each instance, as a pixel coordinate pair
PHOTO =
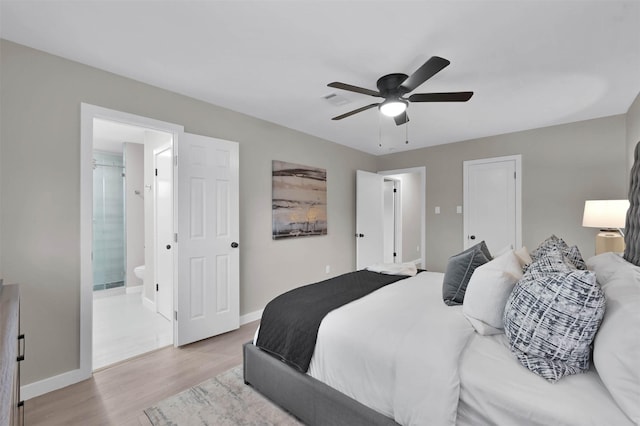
(396, 216)
(422, 171)
(88, 113)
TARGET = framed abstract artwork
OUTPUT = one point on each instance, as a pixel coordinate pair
(299, 200)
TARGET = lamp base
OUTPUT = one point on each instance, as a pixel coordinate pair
(607, 241)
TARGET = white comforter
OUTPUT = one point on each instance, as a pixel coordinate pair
(409, 375)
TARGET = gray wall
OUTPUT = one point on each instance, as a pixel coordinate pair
(40, 172)
(562, 166)
(411, 212)
(134, 209)
(633, 129)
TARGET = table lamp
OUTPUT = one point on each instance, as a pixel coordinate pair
(609, 216)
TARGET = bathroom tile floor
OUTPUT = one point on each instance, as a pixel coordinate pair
(124, 328)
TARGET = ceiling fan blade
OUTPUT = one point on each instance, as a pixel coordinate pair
(441, 97)
(430, 68)
(401, 118)
(351, 88)
(355, 111)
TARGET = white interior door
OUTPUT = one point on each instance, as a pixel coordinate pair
(163, 159)
(492, 202)
(208, 299)
(369, 219)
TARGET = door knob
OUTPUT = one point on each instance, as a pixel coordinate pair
(168, 246)
(234, 245)
(472, 237)
(359, 235)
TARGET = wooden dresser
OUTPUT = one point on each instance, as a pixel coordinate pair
(11, 354)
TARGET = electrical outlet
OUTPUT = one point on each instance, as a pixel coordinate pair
(437, 209)
(327, 269)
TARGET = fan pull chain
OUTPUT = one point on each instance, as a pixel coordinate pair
(406, 131)
(379, 130)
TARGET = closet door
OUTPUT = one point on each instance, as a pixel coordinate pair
(492, 202)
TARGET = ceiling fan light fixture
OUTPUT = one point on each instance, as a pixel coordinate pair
(393, 107)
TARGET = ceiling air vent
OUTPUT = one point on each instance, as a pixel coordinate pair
(336, 100)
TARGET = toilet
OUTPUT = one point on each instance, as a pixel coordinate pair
(139, 272)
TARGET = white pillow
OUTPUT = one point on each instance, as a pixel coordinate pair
(616, 351)
(607, 264)
(523, 256)
(488, 291)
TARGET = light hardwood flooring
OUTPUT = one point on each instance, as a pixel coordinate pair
(117, 395)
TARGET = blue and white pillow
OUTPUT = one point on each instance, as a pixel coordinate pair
(552, 317)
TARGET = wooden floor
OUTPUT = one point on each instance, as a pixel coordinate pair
(118, 395)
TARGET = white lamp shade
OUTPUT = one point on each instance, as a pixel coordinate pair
(605, 214)
(393, 107)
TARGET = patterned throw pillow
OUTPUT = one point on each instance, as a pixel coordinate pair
(572, 253)
(552, 317)
(460, 267)
(552, 261)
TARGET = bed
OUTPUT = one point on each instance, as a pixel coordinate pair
(401, 355)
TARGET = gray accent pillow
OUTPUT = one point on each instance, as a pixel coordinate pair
(552, 317)
(459, 270)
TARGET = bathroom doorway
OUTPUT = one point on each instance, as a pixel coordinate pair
(132, 215)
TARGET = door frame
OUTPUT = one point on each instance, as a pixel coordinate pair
(518, 195)
(422, 171)
(88, 113)
(397, 216)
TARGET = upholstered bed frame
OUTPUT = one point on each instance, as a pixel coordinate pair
(310, 400)
(315, 403)
(632, 227)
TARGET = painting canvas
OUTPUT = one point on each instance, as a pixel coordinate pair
(299, 202)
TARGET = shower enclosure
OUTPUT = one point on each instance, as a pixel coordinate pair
(108, 221)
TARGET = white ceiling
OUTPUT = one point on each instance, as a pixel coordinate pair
(530, 63)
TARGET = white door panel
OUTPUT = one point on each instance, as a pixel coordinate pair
(208, 229)
(492, 203)
(164, 231)
(369, 219)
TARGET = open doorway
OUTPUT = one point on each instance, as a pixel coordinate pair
(406, 216)
(132, 236)
(390, 217)
(205, 300)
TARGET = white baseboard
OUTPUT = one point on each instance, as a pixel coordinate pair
(60, 381)
(250, 317)
(134, 289)
(149, 304)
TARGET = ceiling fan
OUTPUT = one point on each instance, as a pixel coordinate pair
(394, 87)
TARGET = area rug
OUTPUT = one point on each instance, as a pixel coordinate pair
(222, 401)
